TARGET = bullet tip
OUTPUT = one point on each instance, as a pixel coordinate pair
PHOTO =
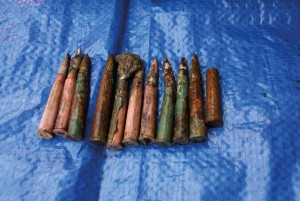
(86, 56)
(78, 51)
(154, 61)
(183, 61)
(154, 65)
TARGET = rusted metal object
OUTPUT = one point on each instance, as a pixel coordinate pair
(166, 122)
(49, 116)
(80, 101)
(148, 121)
(197, 123)
(133, 118)
(182, 105)
(62, 120)
(128, 64)
(213, 99)
(103, 106)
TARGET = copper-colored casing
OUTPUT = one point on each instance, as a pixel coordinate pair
(148, 121)
(62, 120)
(116, 141)
(197, 122)
(133, 118)
(213, 99)
(103, 106)
(49, 116)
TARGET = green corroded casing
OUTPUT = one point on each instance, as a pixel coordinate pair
(182, 105)
(197, 123)
(165, 127)
(128, 64)
(80, 101)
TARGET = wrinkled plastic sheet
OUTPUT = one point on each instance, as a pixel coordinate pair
(254, 44)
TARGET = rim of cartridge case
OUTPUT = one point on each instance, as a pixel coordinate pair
(98, 140)
(114, 146)
(181, 141)
(60, 132)
(147, 140)
(130, 142)
(213, 123)
(45, 134)
(74, 138)
(212, 69)
(163, 143)
(198, 139)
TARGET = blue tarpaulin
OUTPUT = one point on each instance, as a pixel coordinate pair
(255, 45)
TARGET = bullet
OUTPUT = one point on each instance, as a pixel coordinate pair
(128, 64)
(197, 123)
(49, 116)
(80, 101)
(165, 127)
(133, 117)
(213, 100)
(62, 120)
(182, 105)
(103, 106)
(148, 121)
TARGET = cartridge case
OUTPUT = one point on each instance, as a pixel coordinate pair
(103, 105)
(80, 101)
(132, 125)
(62, 120)
(148, 118)
(166, 121)
(128, 64)
(182, 105)
(197, 122)
(213, 99)
(49, 116)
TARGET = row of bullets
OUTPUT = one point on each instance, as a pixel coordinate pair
(65, 110)
(130, 121)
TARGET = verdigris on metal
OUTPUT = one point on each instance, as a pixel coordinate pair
(166, 121)
(182, 105)
(128, 64)
(80, 101)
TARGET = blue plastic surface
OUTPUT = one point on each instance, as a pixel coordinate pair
(254, 44)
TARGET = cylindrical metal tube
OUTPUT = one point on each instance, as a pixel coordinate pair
(166, 122)
(148, 121)
(49, 116)
(62, 120)
(182, 105)
(128, 65)
(197, 123)
(213, 100)
(132, 126)
(80, 101)
(103, 106)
